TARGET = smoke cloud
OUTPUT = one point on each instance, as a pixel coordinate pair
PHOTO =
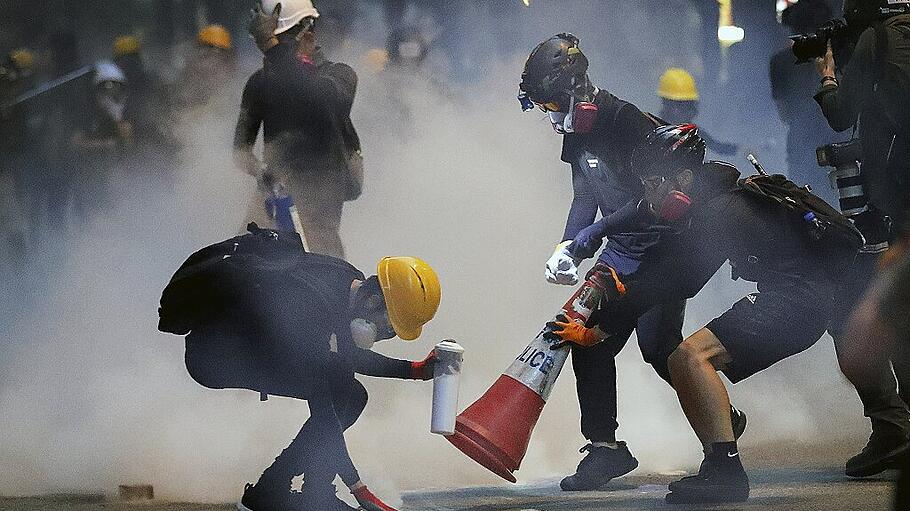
(93, 396)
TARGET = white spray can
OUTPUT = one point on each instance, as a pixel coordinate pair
(446, 376)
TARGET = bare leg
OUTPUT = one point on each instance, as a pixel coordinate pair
(702, 395)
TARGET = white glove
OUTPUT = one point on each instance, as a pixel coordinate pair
(562, 268)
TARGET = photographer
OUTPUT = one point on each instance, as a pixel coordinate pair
(870, 92)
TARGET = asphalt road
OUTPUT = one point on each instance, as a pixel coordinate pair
(779, 489)
(799, 489)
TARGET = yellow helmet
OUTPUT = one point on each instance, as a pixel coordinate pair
(411, 291)
(22, 58)
(678, 85)
(126, 45)
(216, 36)
(376, 59)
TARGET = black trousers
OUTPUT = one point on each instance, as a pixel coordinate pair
(876, 383)
(223, 359)
(659, 333)
(319, 451)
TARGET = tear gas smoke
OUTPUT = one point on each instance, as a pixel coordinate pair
(93, 396)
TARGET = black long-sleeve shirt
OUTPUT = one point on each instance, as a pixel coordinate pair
(303, 107)
(759, 238)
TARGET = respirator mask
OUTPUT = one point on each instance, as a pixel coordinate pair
(579, 117)
(364, 333)
(371, 321)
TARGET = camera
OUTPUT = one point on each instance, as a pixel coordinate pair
(847, 178)
(809, 46)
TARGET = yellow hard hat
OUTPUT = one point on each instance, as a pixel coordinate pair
(678, 85)
(411, 291)
(376, 59)
(216, 36)
(126, 45)
(22, 58)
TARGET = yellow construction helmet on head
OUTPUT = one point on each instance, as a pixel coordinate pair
(126, 45)
(215, 36)
(677, 84)
(22, 58)
(411, 292)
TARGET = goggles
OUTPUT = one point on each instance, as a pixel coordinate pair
(652, 182)
(529, 104)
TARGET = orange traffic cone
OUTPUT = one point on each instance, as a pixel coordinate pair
(496, 429)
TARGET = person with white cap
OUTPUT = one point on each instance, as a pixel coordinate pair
(303, 103)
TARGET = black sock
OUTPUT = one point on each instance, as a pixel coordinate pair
(725, 456)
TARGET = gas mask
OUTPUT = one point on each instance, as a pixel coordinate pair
(579, 119)
(364, 333)
(674, 206)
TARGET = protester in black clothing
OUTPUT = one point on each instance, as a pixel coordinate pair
(303, 104)
(798, 292)
(599, 132)
(806, 127)
(266, 316)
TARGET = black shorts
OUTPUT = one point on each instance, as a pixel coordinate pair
(766, 327)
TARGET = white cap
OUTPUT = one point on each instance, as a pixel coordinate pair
(107, 71)
(292, 12)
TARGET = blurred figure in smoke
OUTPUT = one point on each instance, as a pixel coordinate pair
(303, 334)
(407, 48)
(599, 133)
(806, 126)
(16, 74)
(208, 68)
(100, 144)
(303, 103)
(150, 104)
(61, 114)
(679, 105)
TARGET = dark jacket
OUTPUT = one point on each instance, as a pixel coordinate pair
(601, 177)
(760, 239)
(304, 109)
(261, 314)
(874, 90)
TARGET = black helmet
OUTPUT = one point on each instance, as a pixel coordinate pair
(553, 68)
(668, 149)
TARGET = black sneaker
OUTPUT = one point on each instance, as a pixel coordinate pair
(261, 498)
(738, 417)
(322, 498)
(599, 466)
(886, 448)
(711, 485)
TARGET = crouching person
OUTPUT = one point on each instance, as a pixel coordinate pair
(260, 313)
(794, 246)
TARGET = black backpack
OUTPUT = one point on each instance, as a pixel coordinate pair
(824, 226)
(249, 278)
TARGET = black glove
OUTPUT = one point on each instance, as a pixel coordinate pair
(262, 26)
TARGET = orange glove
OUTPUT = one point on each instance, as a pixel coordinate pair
(570, 332)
